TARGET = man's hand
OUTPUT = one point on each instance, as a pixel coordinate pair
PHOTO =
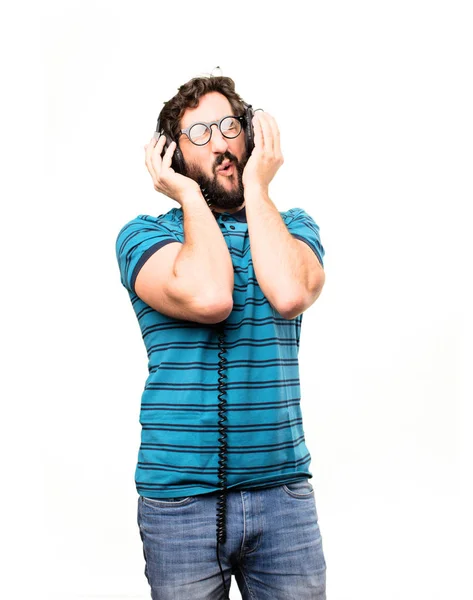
(165, 178)
(266, 157)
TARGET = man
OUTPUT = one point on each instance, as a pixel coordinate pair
(235, 260)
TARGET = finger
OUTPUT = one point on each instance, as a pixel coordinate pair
(155, 156)
(148, 153)
(266, 132)
(149, 148)
(154, 139)
(149, 144)
(258, 134)
(167, 159)
(276, 135)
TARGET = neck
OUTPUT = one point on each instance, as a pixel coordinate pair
(227, 210)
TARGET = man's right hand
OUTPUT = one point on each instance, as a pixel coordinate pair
(165, 178)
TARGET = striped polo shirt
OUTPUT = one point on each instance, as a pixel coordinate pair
(178, 453)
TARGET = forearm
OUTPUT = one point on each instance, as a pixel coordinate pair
(280, 266)
(203, 265)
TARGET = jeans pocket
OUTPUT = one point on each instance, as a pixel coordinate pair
(299, 489)
(160, 502)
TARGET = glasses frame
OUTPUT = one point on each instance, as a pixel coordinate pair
(186, 131)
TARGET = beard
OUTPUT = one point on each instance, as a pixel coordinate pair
(219, 196)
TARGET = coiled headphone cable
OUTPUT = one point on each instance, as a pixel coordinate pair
(222, 453)
(222, 436)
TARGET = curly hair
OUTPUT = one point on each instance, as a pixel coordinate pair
(188, 96)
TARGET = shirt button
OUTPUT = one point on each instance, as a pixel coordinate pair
(232, 226)
(224, 218)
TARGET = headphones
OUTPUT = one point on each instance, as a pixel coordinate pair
(178, 163)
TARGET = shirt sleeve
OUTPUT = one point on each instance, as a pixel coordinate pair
(303, 227)
(135, 243)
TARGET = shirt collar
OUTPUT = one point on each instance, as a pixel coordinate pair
(239, 215)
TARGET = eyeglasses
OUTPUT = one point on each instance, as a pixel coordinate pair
(201, 133)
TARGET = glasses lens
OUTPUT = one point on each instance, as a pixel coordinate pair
(199, 134)
(230, 127)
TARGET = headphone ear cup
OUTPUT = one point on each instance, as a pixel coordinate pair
(249, 131)
(177, 163)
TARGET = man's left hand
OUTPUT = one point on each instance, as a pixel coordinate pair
(266, 157)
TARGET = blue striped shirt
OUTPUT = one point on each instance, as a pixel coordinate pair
(178, 454)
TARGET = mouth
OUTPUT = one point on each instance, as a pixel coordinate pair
(226, 168)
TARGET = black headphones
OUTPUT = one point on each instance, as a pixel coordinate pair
(178, 162)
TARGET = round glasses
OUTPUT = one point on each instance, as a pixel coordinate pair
(201, 133)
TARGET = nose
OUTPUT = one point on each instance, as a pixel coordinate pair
(218, 141)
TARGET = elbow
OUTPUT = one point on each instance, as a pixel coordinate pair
(293, 307)
(215, 309)
(291, 310)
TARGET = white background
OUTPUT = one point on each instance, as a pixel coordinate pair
(374, 105)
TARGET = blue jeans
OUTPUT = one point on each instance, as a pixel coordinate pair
(273, 545)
